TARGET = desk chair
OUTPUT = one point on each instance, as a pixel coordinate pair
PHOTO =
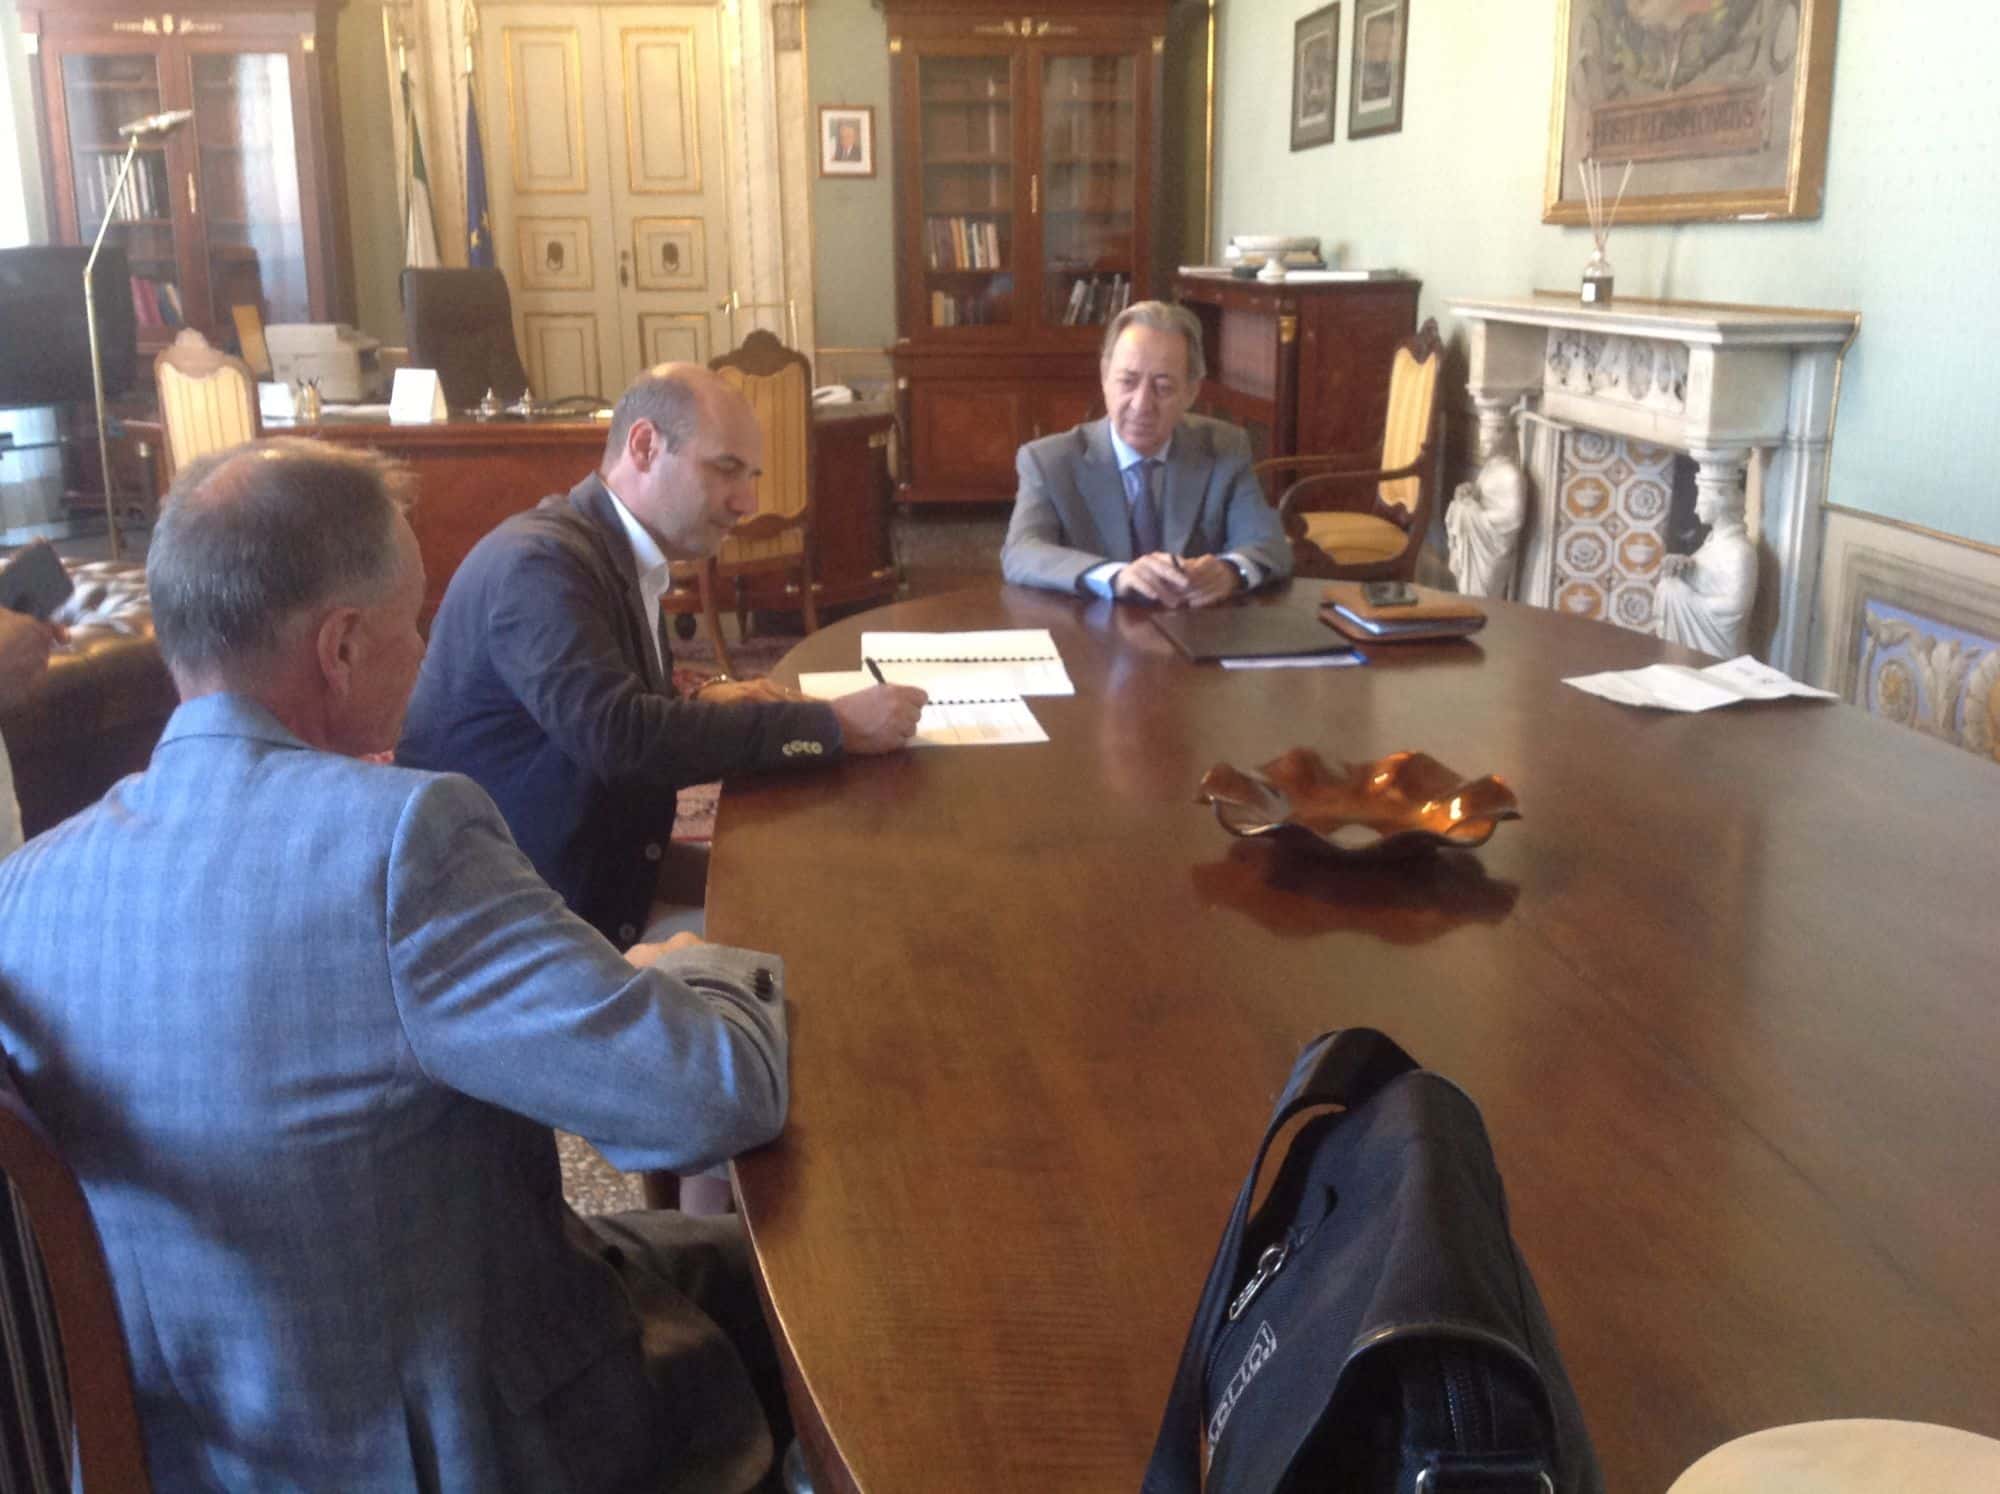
(208, 399)
(777, 538)
(1364, 517)
(69, 1368)
(461, 323)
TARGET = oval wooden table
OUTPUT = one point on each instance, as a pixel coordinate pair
(1726, 995)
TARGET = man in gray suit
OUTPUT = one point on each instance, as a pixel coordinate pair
(1150, 503)
(307, 1072)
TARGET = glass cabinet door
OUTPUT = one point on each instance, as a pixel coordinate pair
(102, 91)
(966, 222)
(251, 208)
(1090, 154)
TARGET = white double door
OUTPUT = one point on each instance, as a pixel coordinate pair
(605, 162)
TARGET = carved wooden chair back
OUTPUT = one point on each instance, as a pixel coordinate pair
(208, 399)
(777, 381)
(68, 1365)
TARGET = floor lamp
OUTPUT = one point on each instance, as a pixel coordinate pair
(152, 127)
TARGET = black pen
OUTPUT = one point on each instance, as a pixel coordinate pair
(876, 670)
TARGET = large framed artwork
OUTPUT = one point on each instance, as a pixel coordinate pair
(1720, 105)
(1315, 71)
(1375, 89)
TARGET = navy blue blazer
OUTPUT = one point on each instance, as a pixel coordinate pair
(542, 687)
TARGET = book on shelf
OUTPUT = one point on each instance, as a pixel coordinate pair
(145, 305)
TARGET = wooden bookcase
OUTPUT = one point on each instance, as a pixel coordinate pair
(243, 204)
(1027, 154)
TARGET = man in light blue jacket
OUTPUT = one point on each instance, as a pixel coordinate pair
(302, 1024)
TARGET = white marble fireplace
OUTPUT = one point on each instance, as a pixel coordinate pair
(1601, 397)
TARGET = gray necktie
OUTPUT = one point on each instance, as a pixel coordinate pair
(1145, 509)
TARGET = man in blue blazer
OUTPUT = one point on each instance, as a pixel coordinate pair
(1150, 503)
(308, 1075)
(548, 682)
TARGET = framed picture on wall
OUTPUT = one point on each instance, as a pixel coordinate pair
(846, 140)
(1315, 70)
(1721, 106)
(1375, 88)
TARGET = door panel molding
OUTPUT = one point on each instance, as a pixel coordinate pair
(662, 139)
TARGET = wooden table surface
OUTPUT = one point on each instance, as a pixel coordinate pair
(1726, 996)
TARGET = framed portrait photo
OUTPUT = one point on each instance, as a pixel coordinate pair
(1721, 106)
(846, 140)
(1375, 88)
(1315, 70)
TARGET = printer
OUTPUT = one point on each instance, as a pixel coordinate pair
(343, 362)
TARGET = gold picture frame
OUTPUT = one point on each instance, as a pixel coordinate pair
(1722, 106)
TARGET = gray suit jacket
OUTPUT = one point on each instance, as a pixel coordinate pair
(1070, 514)
(308, 1077)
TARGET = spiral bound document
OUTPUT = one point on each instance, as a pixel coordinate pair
(994, 664)
(948, 721)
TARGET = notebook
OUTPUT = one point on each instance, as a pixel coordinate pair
(1249, 631)
(1435, 614)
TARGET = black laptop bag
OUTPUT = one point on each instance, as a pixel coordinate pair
(1373, 1328)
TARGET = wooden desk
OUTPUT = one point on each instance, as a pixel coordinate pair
(472, 474)
(1725, 995)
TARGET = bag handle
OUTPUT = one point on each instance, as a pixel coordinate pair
(1345, 1068)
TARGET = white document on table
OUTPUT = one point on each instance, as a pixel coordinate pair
(946, 722)
(998, 662)
(1675, 687)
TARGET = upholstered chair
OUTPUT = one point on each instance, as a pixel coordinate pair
(1363, 516)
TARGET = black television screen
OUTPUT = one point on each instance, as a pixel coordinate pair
(44, 338)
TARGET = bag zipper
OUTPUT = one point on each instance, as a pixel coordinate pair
(1269, 1264)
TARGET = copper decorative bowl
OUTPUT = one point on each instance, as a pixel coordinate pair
(1405, 804)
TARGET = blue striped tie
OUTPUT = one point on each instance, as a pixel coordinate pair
(1145, 510)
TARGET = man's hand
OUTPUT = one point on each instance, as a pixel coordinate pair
(643, 955)
(1210, 579)
(1156, 578)
(729, 692)
(24, 652)
(881, 718)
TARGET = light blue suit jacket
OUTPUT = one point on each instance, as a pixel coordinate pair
(1070, 512)
(302, 1025)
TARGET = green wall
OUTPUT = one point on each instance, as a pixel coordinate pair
(1907, 237)
(854, 260)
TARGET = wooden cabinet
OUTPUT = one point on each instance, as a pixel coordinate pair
(244, 204)
(1027, 153)
(1303, 367)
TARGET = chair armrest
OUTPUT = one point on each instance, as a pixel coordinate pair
(1302, 460)
(1291, 503)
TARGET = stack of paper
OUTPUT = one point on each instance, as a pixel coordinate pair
(975, 681)
(1004, 661)
(948, 720)
(1675, 687)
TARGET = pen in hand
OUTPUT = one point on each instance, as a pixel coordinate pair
(876, 670)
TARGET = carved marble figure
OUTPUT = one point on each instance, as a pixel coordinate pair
(1705, 598)
(1483, 527)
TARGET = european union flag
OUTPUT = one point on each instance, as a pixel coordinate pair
(478, 226)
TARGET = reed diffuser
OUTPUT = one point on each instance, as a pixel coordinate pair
(1597, 270)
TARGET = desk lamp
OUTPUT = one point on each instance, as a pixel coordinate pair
(152, 127)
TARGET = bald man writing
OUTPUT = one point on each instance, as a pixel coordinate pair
(549, 684)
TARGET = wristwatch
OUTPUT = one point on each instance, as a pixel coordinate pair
(694, 690)
(1242, 571)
